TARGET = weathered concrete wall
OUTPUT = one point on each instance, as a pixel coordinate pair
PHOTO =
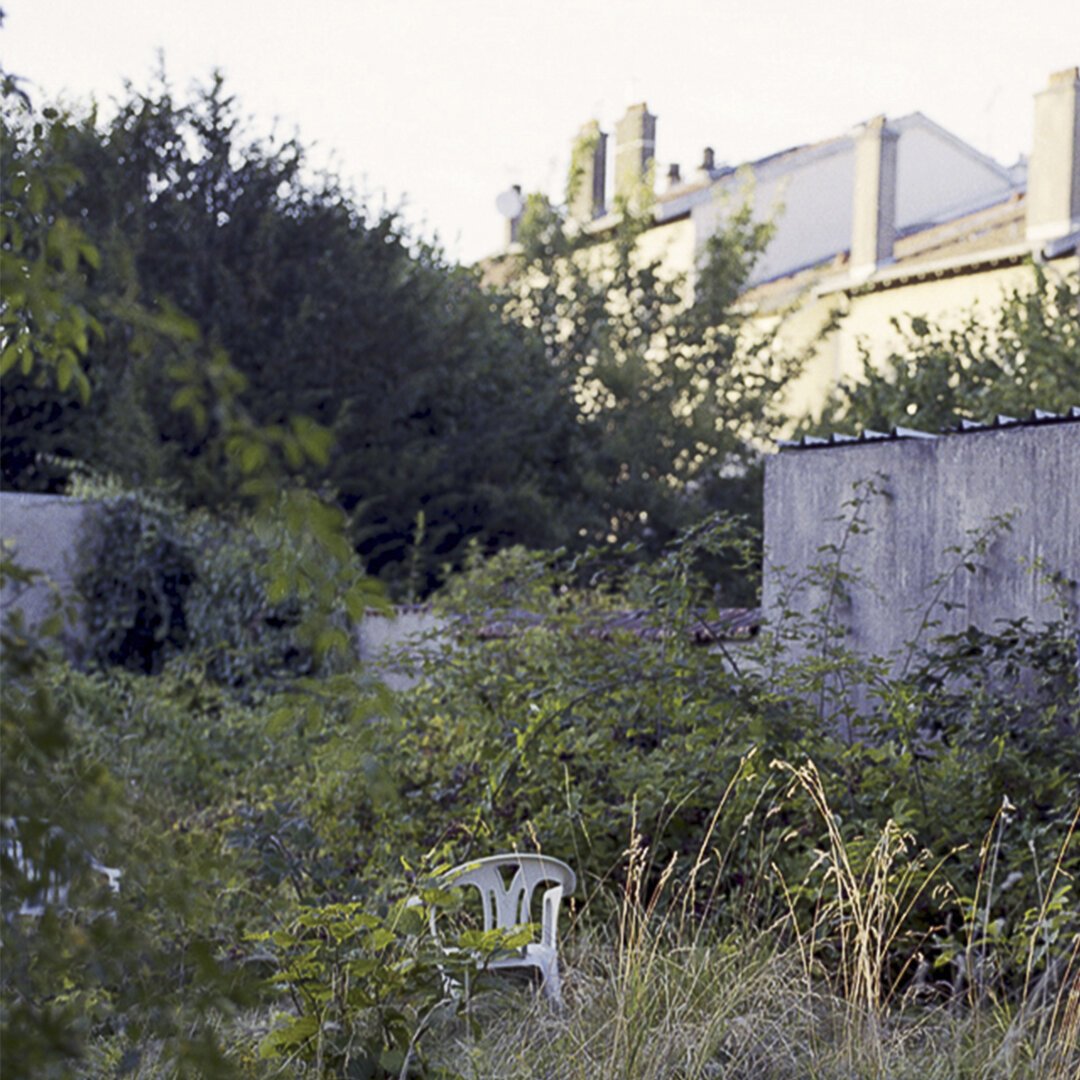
(934, 494)
(42, 532)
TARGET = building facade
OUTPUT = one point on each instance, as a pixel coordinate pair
(894, 217)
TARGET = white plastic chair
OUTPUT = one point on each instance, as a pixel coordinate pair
(506, 906)
(52, 889)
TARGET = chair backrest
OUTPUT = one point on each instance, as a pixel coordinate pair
(51, 887)
(507, 905)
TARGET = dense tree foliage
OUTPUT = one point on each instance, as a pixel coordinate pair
(438, 405)
(671, 386)
(588, 402)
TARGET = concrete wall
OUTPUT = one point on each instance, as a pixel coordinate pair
(396, 645)
(41, 532)
(934, 494)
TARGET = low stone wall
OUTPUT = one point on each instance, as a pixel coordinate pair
(396, 645)
(41, 533)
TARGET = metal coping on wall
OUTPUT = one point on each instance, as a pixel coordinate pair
(963, 427)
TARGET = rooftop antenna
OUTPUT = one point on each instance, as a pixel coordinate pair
(510, 204)
(988, 146)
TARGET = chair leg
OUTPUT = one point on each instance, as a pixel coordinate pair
(552, 985)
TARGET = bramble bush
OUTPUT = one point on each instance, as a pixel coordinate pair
(158, 581)
(552, 735)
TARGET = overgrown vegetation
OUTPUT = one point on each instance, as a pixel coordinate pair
(878, 898)
(765, 891)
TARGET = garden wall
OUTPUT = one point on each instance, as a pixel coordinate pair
(935, 495)
(41, 532)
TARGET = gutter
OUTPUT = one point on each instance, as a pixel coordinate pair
(975, 263)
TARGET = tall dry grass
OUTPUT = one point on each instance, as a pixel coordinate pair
(836, 988)
(845, 994)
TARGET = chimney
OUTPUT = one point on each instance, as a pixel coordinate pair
(674, 176)
(873, 226)
(1053, 191)
(635, 148)
(708, 161)
(588, 174)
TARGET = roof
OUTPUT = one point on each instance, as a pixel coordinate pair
(1037, 417)
(983, 239)
(722, 624)
(998, 225)
(678, 201)
(725, 624)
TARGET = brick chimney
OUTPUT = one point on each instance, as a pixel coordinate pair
(635, 148)
(1053, 192)
(873, 224)
(588, 174)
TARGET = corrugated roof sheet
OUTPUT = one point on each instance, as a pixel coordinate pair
(1037, 416)
(726, 624)
(963, 426)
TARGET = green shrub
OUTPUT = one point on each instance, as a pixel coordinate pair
(159, 582)
(141, 962)
(366, 989)
(244, 800)
(137, 568)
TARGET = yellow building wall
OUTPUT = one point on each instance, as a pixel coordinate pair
(867, 317)
(673, 245)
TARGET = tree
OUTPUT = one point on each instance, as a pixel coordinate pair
(47, 319)
(595, 400)
(448, 429)
(671, 387)
(1027, 358)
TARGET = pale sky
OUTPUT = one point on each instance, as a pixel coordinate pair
(445, 103)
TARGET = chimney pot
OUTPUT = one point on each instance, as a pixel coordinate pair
(708, 160)
(588, 174)
(513, 222)
(673, 175)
